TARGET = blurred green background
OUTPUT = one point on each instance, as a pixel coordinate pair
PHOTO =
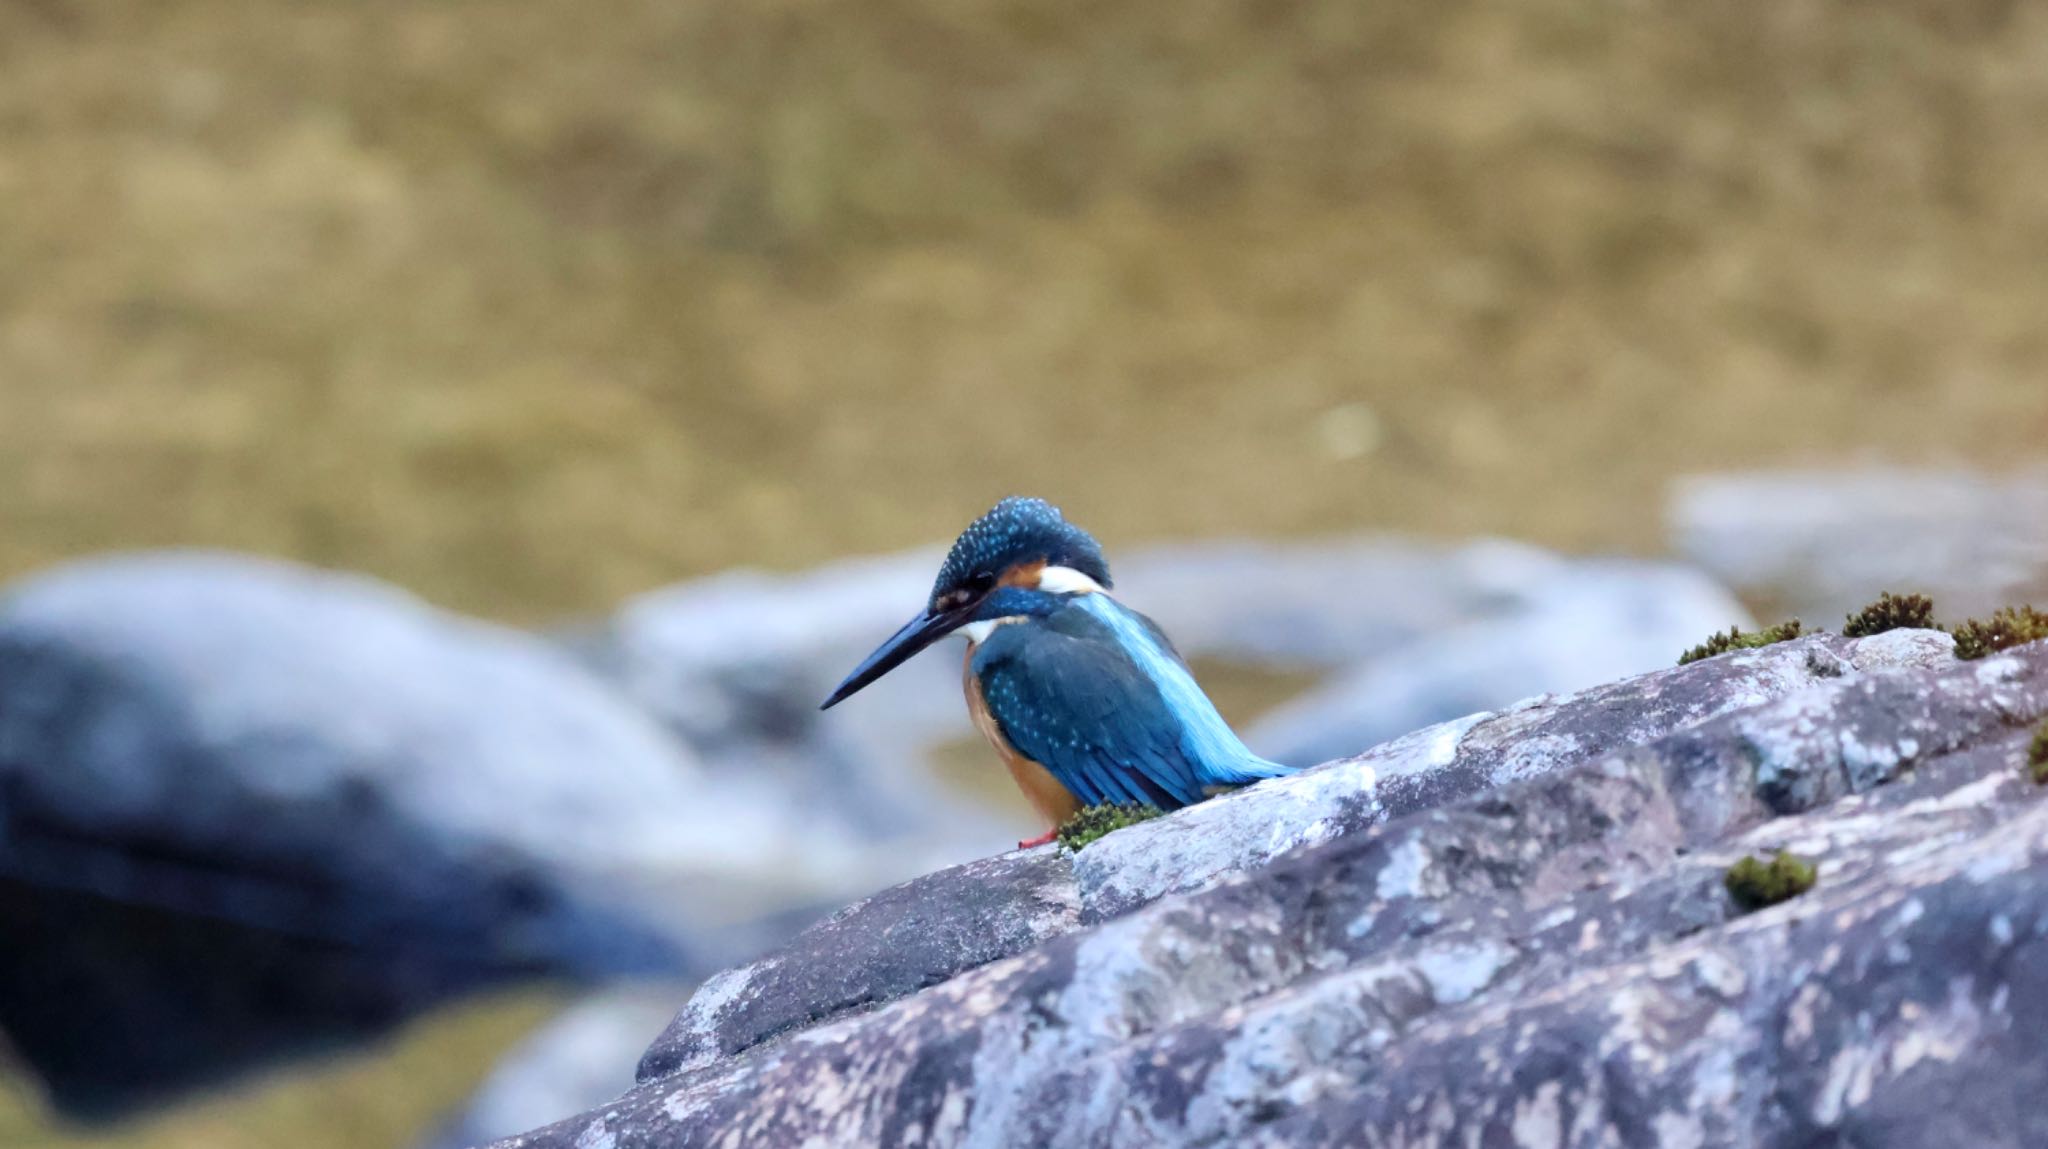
(529, 306)
(532, 306)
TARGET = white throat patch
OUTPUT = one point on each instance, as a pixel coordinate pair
(1066, 580)
(977, 632)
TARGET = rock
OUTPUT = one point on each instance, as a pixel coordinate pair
(887, 947)
(1548, 959)
(1820, 544)
(1458, 759)
(1578, 625)
(877, 950)
(582, 1058)
(247, 807)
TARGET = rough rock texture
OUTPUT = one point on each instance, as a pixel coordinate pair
(247, 806)
(1229, 835)
(1461, 758)
(1546, 958)
(889, 946)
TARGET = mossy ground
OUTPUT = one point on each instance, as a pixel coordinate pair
(2009, 627)
(1095, 821)
(1738, 639)
(1891, 612)
(1755, 884)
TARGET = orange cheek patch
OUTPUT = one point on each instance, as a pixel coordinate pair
(1024, 574)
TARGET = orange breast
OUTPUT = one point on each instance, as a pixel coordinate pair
(1054, 802)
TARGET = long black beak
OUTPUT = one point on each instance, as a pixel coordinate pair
(918, 633)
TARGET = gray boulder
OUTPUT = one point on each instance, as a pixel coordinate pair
(1576, 625)
(1819, 544)
(246, 807)
(1330, 603)
(1462, 758)
(885, 947)
(1529, 949)
(930, 929)
(735, 665)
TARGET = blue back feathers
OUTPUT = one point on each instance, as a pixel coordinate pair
(1093, 692)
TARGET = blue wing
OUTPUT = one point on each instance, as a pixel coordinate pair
(1071, 694)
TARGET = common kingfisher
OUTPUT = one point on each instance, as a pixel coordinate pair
(1085, 699)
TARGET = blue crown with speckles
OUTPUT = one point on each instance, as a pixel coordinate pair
(1019, 530)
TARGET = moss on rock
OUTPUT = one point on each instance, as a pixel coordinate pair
(1737, 639)
(1755, 884)
(2037, 755)
(2007, 628)
(1095, 821)
(1891, 612)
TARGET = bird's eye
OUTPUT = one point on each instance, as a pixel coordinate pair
(982, 582)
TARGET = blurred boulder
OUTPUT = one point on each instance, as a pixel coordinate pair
(1573, 624)
(736, 665)
(247, 807)
(1330, 603)
(1821, 544)
(580, 1060)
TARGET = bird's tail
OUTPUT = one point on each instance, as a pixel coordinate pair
(1251, 769)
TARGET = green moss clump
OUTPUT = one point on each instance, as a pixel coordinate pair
(2037, 755)
(2010, 627)
(1754, 883)
(1735, 639)
(1095, 821)
(1891, 612)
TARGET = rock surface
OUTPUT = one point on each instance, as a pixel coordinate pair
(1459, 759)
(889, 946)
(1506, 931)
(247, 806)
(1235, 833)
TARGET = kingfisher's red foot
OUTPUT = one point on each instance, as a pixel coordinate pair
(1040, 840)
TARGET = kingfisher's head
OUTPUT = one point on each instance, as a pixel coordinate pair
(1021, 553)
